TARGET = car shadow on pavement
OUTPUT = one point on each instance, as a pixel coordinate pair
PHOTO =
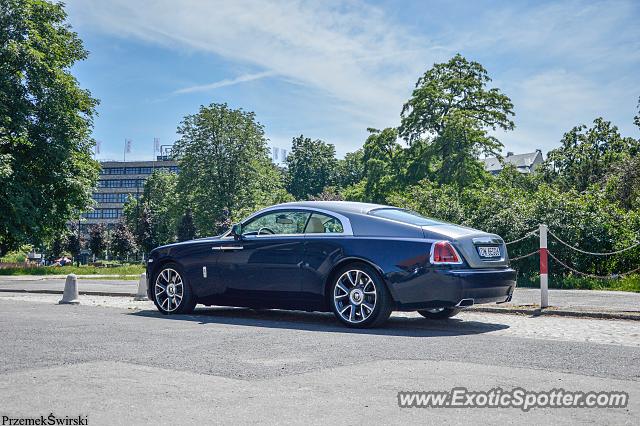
(326, 322)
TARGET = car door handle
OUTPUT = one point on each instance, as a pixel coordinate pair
(227, 248)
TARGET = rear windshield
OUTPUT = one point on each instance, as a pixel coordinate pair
(405, 216)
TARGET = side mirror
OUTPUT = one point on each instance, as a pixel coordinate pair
(236, 231)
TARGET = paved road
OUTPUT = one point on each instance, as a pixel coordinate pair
(124, 363)
(576, 299)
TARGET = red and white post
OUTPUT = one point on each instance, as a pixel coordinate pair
(544, 268)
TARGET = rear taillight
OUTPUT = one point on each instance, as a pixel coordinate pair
(443, 253)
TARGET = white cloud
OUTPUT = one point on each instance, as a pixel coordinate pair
(562, 63)
(348, 50)
(223, 83)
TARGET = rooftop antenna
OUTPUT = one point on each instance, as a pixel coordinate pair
(127, 149)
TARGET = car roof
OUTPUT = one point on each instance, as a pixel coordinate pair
(337, 206)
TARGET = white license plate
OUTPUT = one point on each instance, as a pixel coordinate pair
(489, 251)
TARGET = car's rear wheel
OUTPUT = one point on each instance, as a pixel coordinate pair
(439, 313)
(359, 297)
(171, 292)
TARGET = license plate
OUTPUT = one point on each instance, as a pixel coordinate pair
(489, 251)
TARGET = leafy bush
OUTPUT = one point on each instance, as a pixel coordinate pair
(17, 256)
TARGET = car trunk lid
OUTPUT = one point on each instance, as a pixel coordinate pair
(480, 249)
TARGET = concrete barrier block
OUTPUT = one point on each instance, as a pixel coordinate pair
(142, 288)
(70, 295)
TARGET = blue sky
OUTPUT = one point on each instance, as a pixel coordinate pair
(330, 69)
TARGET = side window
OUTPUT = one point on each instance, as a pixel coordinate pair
(277, 223)
(321, 223)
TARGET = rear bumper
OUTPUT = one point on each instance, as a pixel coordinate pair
(446, 288)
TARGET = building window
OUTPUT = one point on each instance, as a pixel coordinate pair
(113, 197)
(113, 171)
(111, 213)
(121, 183)
(92, 215)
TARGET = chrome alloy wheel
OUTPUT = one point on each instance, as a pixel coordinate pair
(355, 296)
(169, 289)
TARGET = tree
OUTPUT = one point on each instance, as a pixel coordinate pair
(636, 119)
(330, 193)
(98, 239)
(46, 169)
(311, 165)
(58, 244)
(383, 164)
(75, 242)
(350, 169)
(143, 231)
(186, 228)
(122, 241)
(587, 155)
(623, 183)
(162, 206)
(447, 118)
(457, 149)
(224, 164)
(154, 216)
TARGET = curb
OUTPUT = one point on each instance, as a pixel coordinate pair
(81, 292)
(18, 278)
(633, 316)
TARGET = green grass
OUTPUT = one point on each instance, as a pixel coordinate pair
(629, 283)
(81, 270)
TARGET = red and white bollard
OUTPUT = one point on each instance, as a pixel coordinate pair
(544, 268)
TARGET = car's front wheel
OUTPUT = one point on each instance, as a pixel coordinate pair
(171, 292)
(359, 297)
(439, 313)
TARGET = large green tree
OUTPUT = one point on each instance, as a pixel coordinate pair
(350, 169)
(75, 242)
(123, 244)
(186, 229)
(447, 119)
(98, 239)
(225, 169)
(154, 216)
(311, 165)
(46, 169)
(383, 161)
(587, 155)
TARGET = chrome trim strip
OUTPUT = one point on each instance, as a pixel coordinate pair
(346, 223)
(223, 248)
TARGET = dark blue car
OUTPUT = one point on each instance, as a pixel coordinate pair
(361, 261)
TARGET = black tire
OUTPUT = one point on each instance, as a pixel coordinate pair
(440, 313)
(382, 303)
(185, 304)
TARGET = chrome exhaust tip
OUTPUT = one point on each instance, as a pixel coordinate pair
(465, 303)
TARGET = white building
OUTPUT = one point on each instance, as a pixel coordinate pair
(524, 163)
